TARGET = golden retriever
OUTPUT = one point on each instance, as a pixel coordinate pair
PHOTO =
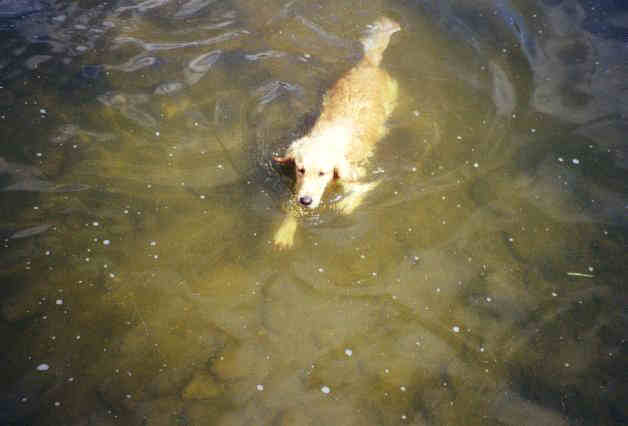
(353, 119)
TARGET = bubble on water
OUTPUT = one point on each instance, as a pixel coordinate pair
(43, 367)
(59, 301)
(325, 389)
(575, 161)
(106, 242)
(348, 352)
(402, 388)
(57, 404)
(259, 387)
(456, 329)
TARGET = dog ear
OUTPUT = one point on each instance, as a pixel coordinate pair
(345, 172)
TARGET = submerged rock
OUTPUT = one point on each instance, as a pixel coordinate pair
(202, 386)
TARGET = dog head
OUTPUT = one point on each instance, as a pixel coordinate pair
(316, 165)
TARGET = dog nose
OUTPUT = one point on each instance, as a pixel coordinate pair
(306, 200)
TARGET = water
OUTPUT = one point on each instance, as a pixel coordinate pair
(482, 283)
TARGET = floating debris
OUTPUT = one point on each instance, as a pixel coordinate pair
(580, 274)
(325, 389)
(43, 367)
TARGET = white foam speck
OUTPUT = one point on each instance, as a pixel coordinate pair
(456, 329)
(59, 301)
(259, 387)
(325, 389)
(43, 367)
(348, 352)
(106, 242)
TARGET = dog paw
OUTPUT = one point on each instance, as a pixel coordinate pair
(349, 203)
(355, 197)
(284, 237)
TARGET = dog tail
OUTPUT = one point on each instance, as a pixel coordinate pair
(377, 38)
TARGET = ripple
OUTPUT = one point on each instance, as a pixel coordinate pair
(169, 88)
(204, 62)
(136, 63)
(264, 55)
(179, 45)
(144, 6)
(274, 89)
(192, 7)
(199, 66)
(34, 61)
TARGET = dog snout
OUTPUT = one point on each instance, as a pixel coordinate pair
(306, 200)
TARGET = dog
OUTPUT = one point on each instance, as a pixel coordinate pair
(352, 120)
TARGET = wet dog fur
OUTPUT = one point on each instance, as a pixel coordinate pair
(352, 121)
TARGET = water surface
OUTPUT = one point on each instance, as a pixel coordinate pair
(481, 283)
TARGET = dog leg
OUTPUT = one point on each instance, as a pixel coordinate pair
(284, 237)
(356, 193)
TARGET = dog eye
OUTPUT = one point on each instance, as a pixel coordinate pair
(301, 170)
(321, 173)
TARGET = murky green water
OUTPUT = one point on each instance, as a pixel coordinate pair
(482, 283)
